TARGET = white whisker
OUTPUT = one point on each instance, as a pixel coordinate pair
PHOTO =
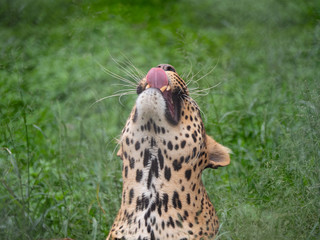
(202, 92)
(138, 71)
(191, 66)
(114, 95)
(112, 74)
(130, 73)
(191, 79)
(208, 73)
(123, 85)
(124, 90)
(212, 69)
(123, 69)
(127, 71)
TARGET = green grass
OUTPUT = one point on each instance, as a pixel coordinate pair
(59, 175)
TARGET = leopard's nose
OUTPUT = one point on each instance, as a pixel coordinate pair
(166, 67)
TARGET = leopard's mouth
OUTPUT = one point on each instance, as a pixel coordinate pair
(158, 79)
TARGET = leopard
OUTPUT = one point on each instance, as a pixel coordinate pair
(164, 149)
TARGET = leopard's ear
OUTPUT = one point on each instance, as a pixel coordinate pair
(218, 155)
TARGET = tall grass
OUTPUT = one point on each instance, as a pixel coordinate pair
(59, 173)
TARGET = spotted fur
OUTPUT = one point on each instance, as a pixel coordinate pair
(164, 154)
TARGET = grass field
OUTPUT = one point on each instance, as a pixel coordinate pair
(59, 176)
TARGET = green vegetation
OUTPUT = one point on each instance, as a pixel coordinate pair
(59, 175)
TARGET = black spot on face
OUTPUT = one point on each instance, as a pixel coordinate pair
(131, 195)
(142, 203)
(126, 171)
(194, 152)
(137, 146)
(139, 174)
(170, 222)
(176, 200)
(131, 163)
(167, 173)
(152, 237)
(196, 133)
(188, 174)
(160, 158)
(165, 200)
(135, 116)
(179, 224)
(146, 158)
(183, 144)
(188, 199)
(176, 165)
(194, 138)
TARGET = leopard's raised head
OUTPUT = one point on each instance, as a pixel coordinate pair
(164, 148)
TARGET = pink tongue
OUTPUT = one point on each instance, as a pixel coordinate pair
(157, 78)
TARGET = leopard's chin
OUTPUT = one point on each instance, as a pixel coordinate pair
(153, 103)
